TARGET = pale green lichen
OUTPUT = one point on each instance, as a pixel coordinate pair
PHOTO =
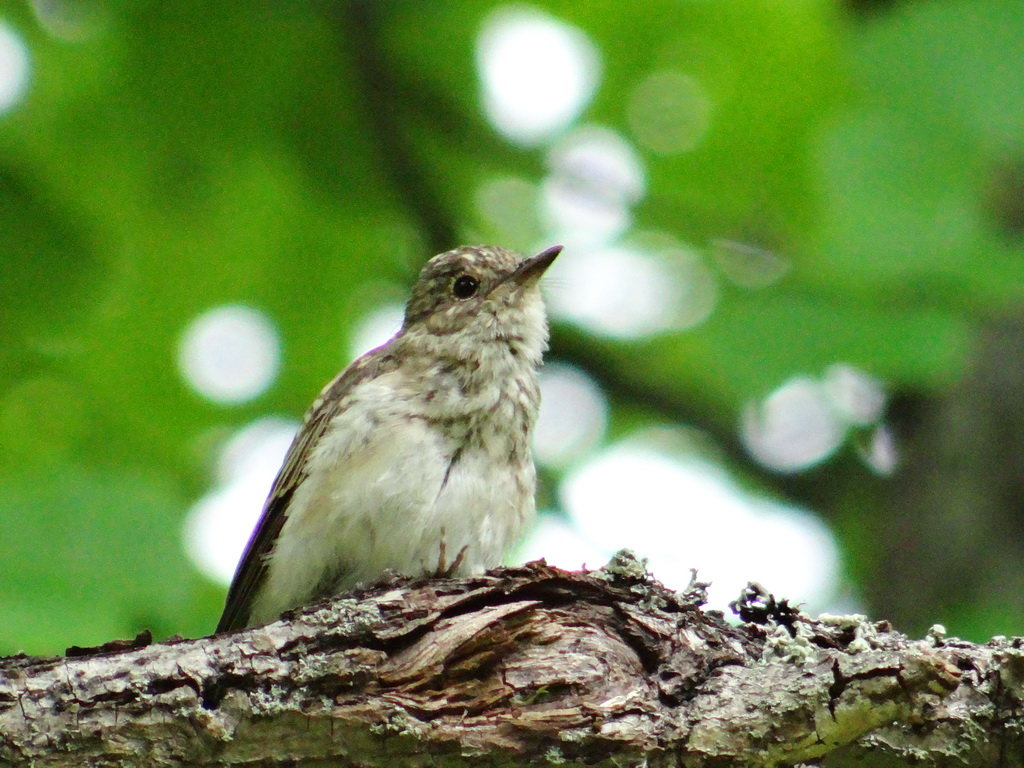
(843, 620)
(780, 644)
(274, 699)
(937, 635)
(349, 617)
(397, 723)
(554, 756)
(865, 633)
(625, 565)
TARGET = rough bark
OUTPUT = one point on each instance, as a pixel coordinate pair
(528, 666)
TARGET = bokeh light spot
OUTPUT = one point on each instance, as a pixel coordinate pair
(669, 112)
(595, 178)
(537, 73)
(748, 265)
(806, 419)
(220, 523)
(573, 414)
(859, 397)
(508, 207)
(880, 453)
(230, 354)
(70, 20)
(625, 292)
(561, 543)
(14, 68)
(376, 328)
(684, 514)
(794, 428)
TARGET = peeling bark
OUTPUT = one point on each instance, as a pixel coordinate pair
(526, 666)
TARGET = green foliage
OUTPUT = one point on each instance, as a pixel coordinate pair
(92, 556)
(181, 156)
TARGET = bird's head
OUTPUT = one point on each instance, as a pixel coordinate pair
(478, 294)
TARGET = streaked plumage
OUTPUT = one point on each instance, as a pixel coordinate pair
(417, 452)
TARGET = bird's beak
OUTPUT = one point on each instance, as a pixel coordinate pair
(532, 268)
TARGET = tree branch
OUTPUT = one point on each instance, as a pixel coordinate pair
(520, 666)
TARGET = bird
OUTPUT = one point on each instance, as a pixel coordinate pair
(416, 458)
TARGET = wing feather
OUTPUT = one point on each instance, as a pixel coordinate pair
(252, 570)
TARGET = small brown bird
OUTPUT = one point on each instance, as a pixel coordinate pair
(416, 458)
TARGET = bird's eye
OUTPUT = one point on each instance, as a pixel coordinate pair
(465, 286)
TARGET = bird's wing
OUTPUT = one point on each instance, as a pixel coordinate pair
(252, 569)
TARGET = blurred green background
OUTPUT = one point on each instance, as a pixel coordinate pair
(827, 197)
